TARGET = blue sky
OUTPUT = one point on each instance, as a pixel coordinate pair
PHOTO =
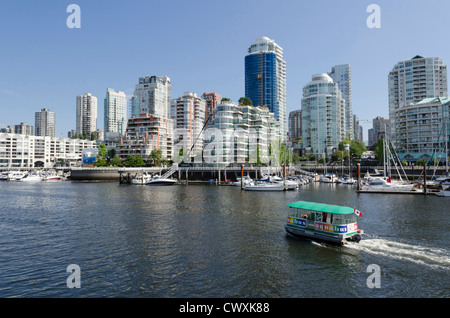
(201, 46)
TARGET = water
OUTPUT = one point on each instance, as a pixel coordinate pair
(210, 241)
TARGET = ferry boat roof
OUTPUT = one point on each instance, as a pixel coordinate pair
(322, 207)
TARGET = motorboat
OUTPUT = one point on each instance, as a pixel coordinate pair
(290, 184)
(381, 184)
(141, 179)
(158, 180)
(326, 180)
(13, 175)
(246, 181)
(4, 175)
(348, 181)
(265, 186)
(445, 192)
(30, 177)
(52, 177)
(319, 221)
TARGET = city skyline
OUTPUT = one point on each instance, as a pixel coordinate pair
(42, 49)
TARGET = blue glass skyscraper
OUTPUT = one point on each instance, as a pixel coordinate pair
(265, 78)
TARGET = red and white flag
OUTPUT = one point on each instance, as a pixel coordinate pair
(358, 213)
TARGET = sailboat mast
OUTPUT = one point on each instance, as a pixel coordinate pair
(446, 150)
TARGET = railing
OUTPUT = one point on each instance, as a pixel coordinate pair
(171, 171)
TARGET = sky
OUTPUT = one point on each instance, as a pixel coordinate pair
(201, 46)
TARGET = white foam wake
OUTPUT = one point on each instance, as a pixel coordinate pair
(430, 256)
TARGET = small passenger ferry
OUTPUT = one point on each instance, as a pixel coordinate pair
(321, 221)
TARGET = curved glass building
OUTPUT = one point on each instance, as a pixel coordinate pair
(265, 78)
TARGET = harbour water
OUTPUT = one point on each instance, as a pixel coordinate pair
(213, 241)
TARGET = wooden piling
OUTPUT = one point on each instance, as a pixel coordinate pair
(358, 173)
(425, 178)
(242, 177)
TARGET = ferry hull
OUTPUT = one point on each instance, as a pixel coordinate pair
(337, 239)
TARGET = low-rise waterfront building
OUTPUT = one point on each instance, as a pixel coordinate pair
(25, 151)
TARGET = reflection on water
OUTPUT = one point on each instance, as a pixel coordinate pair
(212, 241)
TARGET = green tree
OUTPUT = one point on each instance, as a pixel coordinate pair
(356, 147)
(339, 155)
(311, 157)
(420, 162)
(225, 99)
(138, 161)
(155, 157)
(130, 161)
(94, 135)
(379, 150)
(258, 156)
(100, 160)
(115, 161)
(245, 101)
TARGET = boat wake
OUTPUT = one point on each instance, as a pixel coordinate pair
(437, 258)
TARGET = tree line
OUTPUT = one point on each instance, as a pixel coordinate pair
(107, 158)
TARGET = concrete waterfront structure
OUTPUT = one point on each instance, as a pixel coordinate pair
(25, 151)
(44, 123)
(323, 115)
(265, 78)
(86, 116)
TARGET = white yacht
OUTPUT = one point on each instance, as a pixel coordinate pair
(381, 184)
(141, 179)
(445, 192)
(158, 180)
(14, 175)
(290, 184)
(265, 186)
(348, 181)
(51, 177)
(247, 180)
(32, 177)
(4, 175)
(327, 179)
